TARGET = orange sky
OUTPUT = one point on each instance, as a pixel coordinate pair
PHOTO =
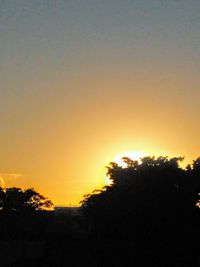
(82, 83)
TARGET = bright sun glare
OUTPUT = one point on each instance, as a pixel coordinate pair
(134, 155)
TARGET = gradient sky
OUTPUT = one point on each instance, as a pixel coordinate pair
(84, 81)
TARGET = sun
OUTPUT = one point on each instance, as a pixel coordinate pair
(134, 155)
(107, 181)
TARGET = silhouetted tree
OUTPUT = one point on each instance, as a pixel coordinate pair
(144, 198)
(16, 199)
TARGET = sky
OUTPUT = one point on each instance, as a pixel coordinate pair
(84, 81)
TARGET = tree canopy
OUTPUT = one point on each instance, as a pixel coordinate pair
(16, 199)
(144, 196)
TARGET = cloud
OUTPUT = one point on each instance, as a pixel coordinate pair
(2, 182)
(11, 175)
(8, 176)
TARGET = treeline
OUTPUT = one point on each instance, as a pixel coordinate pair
(148, 216)
(23, 214)
(152, 207)
(143, 196)
(16, 199)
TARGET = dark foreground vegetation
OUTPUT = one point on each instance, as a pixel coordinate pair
(149, 216)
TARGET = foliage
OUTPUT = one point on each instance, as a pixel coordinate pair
(16, 199)
(144, 197)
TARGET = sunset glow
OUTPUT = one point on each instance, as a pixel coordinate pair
(84, 81)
